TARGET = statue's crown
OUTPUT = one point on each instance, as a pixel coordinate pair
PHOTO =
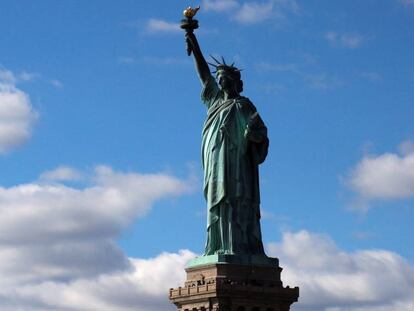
(222, 66)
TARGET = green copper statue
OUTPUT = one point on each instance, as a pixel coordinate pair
(234, 144)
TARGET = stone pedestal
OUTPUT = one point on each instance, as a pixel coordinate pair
(233, 287)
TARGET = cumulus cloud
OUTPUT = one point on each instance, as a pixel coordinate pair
(331, 279)
(385, 176)
(58, 250)
(142, 287)
(156, 26)
(17, 114)
(406, 147)
(346, 40)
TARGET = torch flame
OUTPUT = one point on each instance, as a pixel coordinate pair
(190, 12)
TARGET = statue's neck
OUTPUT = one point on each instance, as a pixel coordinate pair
(231, 95)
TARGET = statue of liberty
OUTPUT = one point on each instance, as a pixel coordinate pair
(234, 143)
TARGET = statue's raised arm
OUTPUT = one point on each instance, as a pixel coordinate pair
(189, 24)
(201, 65)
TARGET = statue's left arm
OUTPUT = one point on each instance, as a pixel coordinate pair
(256, 135)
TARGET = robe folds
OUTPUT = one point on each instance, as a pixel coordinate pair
(231, 179)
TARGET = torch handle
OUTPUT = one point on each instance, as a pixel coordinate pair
(189, 24)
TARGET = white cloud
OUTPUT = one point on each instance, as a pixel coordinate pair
(62, 173)
(386, 176)
(57, 244)
(17, 114)
(56, 83)
(331, 279)
(253, 12)
(27, 76)
(155, 26)
(256, 12)
(244, 13)
(351, 41)
(220, 5)
(7, 77)
(57, 252)
(142, 287)
(406, 147)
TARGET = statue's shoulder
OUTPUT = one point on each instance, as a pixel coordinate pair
(247, 104)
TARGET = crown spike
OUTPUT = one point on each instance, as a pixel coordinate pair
(224, 62)
(218, 63)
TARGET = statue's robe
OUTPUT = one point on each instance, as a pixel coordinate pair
(231, 181)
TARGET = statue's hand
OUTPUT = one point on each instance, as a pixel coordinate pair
(251, 133)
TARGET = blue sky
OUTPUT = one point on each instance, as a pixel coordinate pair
(100, 131)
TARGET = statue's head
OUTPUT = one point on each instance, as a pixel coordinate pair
(228, 76)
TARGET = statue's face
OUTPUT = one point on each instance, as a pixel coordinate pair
(225, 82)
